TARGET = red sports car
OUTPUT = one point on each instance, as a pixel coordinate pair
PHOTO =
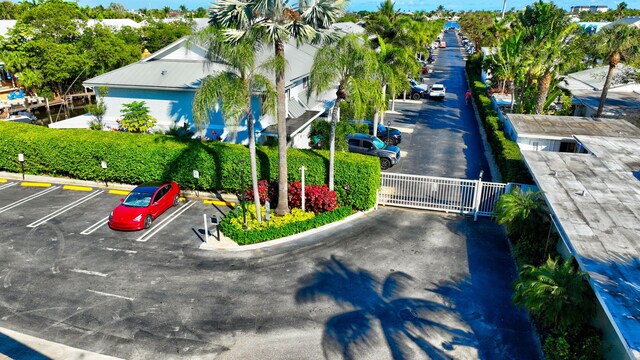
(143, 205)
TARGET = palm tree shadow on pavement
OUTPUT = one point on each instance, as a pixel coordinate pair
(405, 322)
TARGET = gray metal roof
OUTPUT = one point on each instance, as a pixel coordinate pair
(629, 20)
(567, 126)
(602, 225)
(593, 79)
(186, 75)
(295, 108)
(618, 104)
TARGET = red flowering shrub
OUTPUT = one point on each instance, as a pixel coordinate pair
(318, 198)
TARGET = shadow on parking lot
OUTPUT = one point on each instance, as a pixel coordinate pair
(405, 321)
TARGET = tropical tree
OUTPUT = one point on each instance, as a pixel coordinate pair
(622, 6)
(14, 62)
(352, 65)
(136, 117)
(233, 90)
(614, 44)
(507, 62)
(275, 22)
(522, 211)
(556, 293)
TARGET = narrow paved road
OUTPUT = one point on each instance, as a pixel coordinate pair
(441, 138)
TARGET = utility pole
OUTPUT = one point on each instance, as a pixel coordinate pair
(504, 8)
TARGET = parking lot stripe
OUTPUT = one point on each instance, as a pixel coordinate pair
(27, 199)
(122, 250)
(154, 230)
(95, 226)
(7, 185)
(219, 202)
(77, 188)
(119, 192)
(111, 295)
(35, 184)
(89, 272)
(64, 209)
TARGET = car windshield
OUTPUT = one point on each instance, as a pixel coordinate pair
(378, 143)
(138, 199)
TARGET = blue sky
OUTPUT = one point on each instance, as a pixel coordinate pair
(407, 5)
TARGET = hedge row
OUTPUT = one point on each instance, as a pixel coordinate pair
(138, 158)
(505, 151)
(245, 237)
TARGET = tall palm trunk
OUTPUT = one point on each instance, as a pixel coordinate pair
(281, 113)
(513, 94)
(376, 117)
(613, 62)
(543, 91)
(252, 160)
(335, 115)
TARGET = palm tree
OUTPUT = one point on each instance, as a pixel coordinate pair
(234, 90)
(275, 23)
(508, 61)
(622, 6)
(522, 211)
(556, 293)
(614, 44)
(352, 65)
(14, 62)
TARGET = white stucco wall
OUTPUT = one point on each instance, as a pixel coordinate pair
(537, 144)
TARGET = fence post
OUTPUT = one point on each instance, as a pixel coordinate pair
(476, 200)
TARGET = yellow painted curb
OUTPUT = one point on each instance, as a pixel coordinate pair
(219, 202)
(36, 184)
(3, 180)
(77, 188)
(182, 199)
(119, 192)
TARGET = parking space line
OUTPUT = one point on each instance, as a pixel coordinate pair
(89, 272)
(35, 184)
(119, 192)
(154, 230)
(64, 209)
(121, 250)
(77, 188)
(219, 202)
(7, 185)
(111, 295)
(27, 199)
(95, 226)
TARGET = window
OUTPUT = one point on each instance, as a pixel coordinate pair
(305, 83)
(354, 142)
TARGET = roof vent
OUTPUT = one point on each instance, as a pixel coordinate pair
(582, 193)
(163, 72)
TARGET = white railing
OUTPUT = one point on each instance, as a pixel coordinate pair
(461, 196)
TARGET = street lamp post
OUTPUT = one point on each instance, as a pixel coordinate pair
(103, 164)
(388, 132)
(21, 160)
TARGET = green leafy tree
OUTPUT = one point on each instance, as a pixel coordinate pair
(353, 66)
(556, 293)
(136, 117)
(614, 44)
(622, 6)
(275, 23)
(234, 89)
(106, 50)
(158, 34)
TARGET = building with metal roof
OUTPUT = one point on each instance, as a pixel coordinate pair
(594, 198)
(623, 98)
(629, 20)
(557, 133)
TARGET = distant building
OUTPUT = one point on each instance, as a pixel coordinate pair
(629, 20)
(589, 8)
(592, 27)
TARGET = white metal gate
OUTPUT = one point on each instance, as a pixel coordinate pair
(461, 196)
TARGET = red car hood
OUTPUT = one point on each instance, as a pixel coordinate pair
(127, 213)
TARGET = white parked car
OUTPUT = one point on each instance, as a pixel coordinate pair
(437, 91)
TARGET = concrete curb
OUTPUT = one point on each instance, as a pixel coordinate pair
(271, 243)
(496, 176)
(29, 346)
(191, 194)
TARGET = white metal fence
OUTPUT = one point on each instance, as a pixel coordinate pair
(474, 197)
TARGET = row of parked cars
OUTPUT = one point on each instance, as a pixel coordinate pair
(420, 91)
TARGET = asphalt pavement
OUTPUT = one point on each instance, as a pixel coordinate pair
(441, 137)
(415, 284)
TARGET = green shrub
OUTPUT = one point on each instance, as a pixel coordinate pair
(581, 343)
(138, 158)
(245, 237)
(505, 151)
